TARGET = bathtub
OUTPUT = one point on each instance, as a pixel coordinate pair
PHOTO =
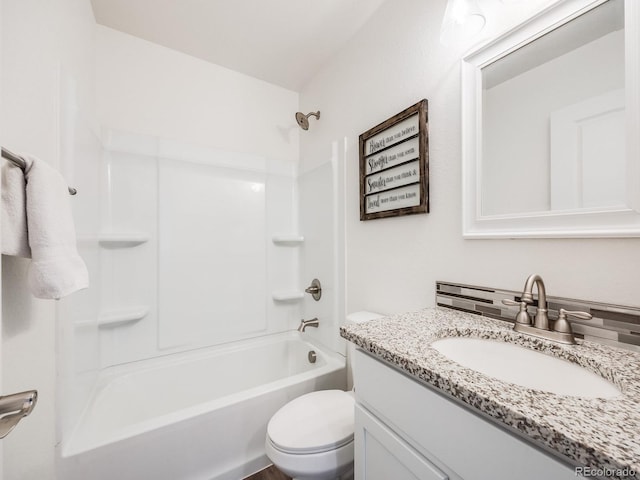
(199, 415)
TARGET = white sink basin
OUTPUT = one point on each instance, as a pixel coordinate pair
(527, 368)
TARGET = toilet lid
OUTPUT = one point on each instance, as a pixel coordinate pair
(313, 423)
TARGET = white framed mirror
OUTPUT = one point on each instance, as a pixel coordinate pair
(551, 125)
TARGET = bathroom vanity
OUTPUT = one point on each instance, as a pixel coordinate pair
(421, 415)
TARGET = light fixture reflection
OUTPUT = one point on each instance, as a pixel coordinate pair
(462, 20)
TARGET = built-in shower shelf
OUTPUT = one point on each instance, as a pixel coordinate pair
(291, 296)
(288, 240)
(122, 316)
(122, 240)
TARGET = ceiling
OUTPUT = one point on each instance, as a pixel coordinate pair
(284, 42)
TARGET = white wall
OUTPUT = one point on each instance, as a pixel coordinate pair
(149, 89)
(392, 264)
(321, 204)
(42, 44)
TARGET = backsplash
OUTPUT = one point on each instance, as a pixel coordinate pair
(611, 324)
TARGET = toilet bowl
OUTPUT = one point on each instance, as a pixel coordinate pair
(311, 437)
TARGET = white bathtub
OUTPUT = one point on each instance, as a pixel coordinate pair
(198, 415)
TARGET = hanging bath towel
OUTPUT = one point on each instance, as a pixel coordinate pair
(15, 241)
(56, 269)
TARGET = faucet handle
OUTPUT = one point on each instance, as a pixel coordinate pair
(562, 324)
(511, 303)
(315, 289)
(522, 316)
(573, 313)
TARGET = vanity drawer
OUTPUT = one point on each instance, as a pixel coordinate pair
(451, 436)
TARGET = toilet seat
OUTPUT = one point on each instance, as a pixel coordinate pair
(313, 423)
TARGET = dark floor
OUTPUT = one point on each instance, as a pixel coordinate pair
(270, 473)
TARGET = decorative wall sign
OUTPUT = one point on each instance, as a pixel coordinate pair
(394, 165)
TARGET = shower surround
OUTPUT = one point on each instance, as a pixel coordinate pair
(198, 252)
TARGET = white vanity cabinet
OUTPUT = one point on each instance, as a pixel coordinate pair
(383, 455)
(406, 430)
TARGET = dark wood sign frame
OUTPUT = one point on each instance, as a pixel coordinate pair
(388, 165)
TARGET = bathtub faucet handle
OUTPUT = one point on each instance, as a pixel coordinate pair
(314, 322)
(315, 289)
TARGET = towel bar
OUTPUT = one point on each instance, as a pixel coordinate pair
(14, 408)
(19, 162)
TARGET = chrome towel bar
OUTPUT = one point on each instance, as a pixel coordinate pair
(14, 408)
(18, 161)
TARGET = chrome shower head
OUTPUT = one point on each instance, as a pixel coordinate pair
(303, 120)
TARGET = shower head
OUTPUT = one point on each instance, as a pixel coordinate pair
(303, 120)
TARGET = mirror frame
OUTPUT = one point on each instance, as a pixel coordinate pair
(585, 223)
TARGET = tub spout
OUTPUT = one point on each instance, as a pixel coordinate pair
(314, 322)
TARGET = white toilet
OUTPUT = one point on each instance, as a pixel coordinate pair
(311, 437)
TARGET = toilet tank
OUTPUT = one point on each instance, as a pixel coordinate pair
(354, 319)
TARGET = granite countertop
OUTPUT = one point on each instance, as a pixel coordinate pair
(594, 432)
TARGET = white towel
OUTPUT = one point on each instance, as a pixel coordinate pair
(15, 241)
(56, 269)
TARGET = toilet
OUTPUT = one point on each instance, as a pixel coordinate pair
(311, 437)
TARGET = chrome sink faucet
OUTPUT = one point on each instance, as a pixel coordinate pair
(314, 322)
(540, 325)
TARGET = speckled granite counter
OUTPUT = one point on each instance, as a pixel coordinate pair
(598, 433)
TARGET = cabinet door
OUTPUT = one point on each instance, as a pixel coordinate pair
(381, 455)
(463, 442)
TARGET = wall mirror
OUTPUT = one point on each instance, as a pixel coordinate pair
(551, 125)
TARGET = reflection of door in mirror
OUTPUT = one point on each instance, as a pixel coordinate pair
(587, 154)
(553, 134)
